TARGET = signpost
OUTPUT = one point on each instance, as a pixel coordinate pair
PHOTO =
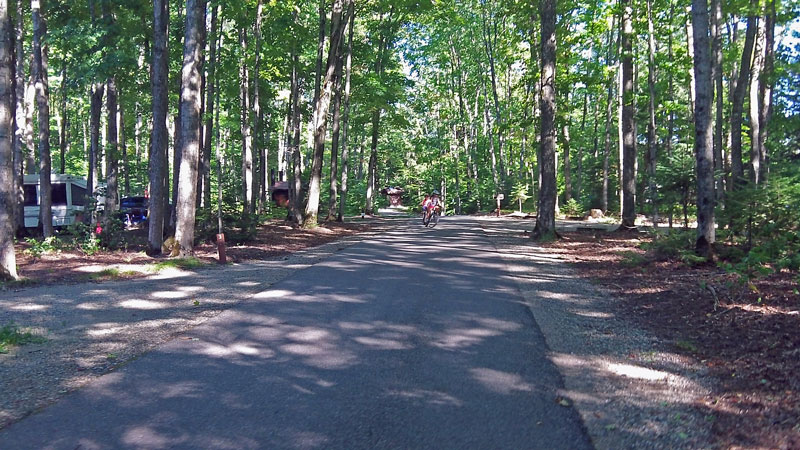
(499, 197)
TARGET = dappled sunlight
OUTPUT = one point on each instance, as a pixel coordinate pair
(26, 307)
(142, 304)
(500, 382)
(220, 351)
(428, 396)
(631, 371)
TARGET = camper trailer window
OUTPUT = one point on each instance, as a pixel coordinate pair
(78, 195)
(31, 199)
(59, 194)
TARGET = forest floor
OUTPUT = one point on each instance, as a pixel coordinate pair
(747, 333)
(273, 238)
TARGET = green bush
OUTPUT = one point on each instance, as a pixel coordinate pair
(37, 248)
(572, 208)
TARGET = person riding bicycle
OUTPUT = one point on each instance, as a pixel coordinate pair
(435, 202)
(425, 204)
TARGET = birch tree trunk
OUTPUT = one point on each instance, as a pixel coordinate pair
(703, 143)
(43, 108)
(545, 227)
(190, 127)
(157, 165)
(247, 138)
(766, 88)
(756, 81)
(8, 195)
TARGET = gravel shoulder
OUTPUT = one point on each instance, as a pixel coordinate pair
(630, 390)
(93, 328)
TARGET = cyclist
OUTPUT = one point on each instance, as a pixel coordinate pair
(435, 202)
(425, 204)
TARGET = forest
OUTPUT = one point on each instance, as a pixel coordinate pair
(683, 113)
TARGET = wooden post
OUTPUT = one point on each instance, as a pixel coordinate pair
(221, 248)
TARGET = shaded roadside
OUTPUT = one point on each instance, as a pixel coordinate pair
(631, 390)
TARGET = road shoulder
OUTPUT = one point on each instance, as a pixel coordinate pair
(629, 389)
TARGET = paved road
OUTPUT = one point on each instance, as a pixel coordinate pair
(417, 338)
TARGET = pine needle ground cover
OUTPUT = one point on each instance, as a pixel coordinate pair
(747, 333)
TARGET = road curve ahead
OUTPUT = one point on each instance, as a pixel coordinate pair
(417, 338)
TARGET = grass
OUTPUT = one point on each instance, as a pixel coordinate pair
(11, 335)
(21, 282)
(179, 263)
(105, 274)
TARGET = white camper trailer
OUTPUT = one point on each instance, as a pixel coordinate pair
(69, 199)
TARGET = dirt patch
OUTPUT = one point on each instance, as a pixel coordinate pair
(746, 333)
(271, 239)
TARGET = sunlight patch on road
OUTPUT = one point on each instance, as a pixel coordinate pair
(382, 344)
(26, 307)
(500, 382)
(428, 396)
(141, 304)
(222, 351)
(170, 294)
(275, 293)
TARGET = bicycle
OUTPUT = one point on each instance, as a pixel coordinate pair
(430, 219)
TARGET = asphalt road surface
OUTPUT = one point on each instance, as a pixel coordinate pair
(417, 338)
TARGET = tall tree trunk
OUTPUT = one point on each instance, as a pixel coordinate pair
(489, 33)
(43, 108)
(346, 119)
(95, 110)
(567, 162)
(333, 190)
(8, 196)
(247, 138)
(320, 53)
(62, 135)
(112, 155)
(628, 182)
(258, 181)
(157, 165)
(321, 120)
(716, 72)
(190, 127)
(737, 106)
(295, 169)
(30, 107)
(369, 207)
(766, 87)
(123, 148)
(546, 220)
(652, 150)
(210, 98)
(756, 82)
(703, 143)
(20, 119)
